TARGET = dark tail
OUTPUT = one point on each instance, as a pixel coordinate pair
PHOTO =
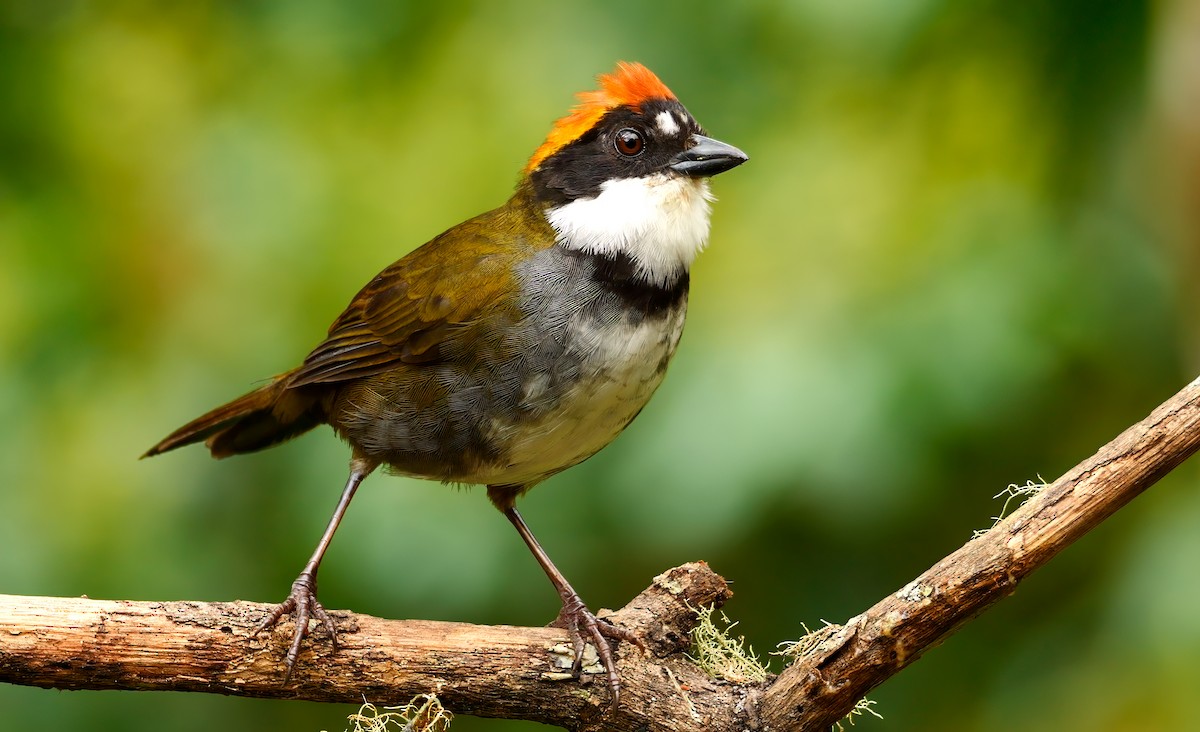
(264, 417)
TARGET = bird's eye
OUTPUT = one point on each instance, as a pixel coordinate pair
(629, 142)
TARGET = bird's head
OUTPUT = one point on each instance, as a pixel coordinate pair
(625, 174)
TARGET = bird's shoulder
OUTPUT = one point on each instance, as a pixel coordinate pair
(405, 313)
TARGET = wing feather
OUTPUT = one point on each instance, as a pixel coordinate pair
(408, 311)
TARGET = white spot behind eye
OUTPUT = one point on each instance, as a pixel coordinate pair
(666, 123)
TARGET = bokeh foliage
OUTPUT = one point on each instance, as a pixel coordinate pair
(942, 271)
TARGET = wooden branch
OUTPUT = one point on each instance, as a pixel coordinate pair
(822, 687)
(496, 671)
(517, 673)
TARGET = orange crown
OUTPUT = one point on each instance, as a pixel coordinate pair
(629, 86)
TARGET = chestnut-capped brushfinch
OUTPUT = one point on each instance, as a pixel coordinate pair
(517, 343)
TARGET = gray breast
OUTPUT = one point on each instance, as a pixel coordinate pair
(528, 397)
(595, 344)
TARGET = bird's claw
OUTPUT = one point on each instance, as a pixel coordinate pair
(303, 605)
(583, 626)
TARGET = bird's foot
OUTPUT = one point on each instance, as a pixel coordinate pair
(583, 627)
(303, 605)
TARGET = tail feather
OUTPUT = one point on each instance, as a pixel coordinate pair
(266, 416)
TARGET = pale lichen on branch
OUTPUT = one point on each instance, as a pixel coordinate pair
(424, 713)
(719, 653)
(1014, 492)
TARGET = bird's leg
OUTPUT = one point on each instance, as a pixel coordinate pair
(575, 616)
(303, 598)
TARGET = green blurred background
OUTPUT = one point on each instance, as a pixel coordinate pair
(961, 256)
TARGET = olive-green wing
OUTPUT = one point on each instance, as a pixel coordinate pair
(406, 313)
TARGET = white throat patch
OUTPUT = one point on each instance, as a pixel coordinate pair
(660, 221)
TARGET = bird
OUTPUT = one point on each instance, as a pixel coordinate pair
(514, 345)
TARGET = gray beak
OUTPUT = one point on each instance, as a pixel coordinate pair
(707, 157)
